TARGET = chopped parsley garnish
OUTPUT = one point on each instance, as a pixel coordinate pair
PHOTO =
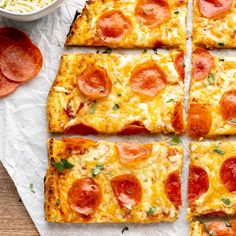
(116, 107)
(151, 211)
(58, 202)
(176, 12)
(97, 170)
(124, 229)
(175, 140)
(145, 51)
(221, 59)
(227, 223)
(211, 79)
(31, 186)
(226, 201)
(107, 51)
(63, 165)
(219, 151)
(170, 100)
(155, 50)
(119, 94)
(92, 108)
(221, 44)
(211, 233)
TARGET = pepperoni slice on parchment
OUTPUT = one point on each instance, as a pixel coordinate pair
(228, 174)
(94, 82)
(219, 228)
(6, 86)
(152, 13)
(81, 129)
(228, 105)
(198, 183)
(173, 188)
(199, 120)
(134, 128)
(178, 120)
(213, 8)
(127, 189)
(113, 26)
(84, 196)
(203, 62)
(20, 62)
(147, 79)
(131, 152)
(179, 65)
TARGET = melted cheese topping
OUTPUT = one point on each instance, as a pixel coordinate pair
(151, 172)
(224, 73)
(173, 33)
(217, 32)
(196, 229)
(202, 155)
(155, 113)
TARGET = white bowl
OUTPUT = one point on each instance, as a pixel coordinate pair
(31, 15)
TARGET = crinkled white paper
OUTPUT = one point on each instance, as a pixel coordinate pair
(23, 132)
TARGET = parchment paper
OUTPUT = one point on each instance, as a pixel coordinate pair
(23, 133)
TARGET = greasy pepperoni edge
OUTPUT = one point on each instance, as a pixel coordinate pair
(178, 119)
(81, 129)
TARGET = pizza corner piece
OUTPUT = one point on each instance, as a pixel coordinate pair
(212, 180)
(103, 182)
(131, 24)
(212, 103)
(214, 24)
(118, 94)
(216, 227)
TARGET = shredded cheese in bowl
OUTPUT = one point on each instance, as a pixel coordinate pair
(24, 6)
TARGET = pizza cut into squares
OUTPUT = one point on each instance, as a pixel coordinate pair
(218, 228)
(118, 94)
(101, 182)
(212, 179)
(131, 24)
(212, 103)
(214, 23)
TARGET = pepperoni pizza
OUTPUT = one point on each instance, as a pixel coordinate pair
(217, 228)
(212, 179)
(214, 23)
(89, 181)
(130, 24)
(212, 108)
(99, 93)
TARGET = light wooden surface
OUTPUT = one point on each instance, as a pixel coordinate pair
(14, 219)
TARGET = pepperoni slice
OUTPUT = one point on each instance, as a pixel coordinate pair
(147, 79)
(152, 13)
(198, 183)
(84, 196)
(178, 120)
(113, 26)
(127, 189)
(173, 188)
(213, 8)
(203, 62)
(21, 62)
(228, 105)
(94, 82)
(199, 120)
(131, 152)
(228, 174)
(134, 128)
(179, 65)
(219, 228)
(80, 128)
(6, 86)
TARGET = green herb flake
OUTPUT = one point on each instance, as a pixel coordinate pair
(211, 79)
(175, 140)
(221, 44)
(221, 59)
(219, 151)
(151, 211)
(58, 202)
(155, 50)
(124, 229)
(63, 165)
(116, 107)
(176, 12)
(107, 51)
(145, 51)
(227, 223)
(31, 186)
(119, 94)
(92, 108)
(170, 100)
(97, 170)
(226, 201)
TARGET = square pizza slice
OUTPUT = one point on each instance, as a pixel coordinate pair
(130, 24)
(214, 23)
(213, 228)
(124, 94)
(212, 103)
(212, 179)
(103, 182)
